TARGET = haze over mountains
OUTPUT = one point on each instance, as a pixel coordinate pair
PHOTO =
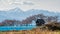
(18, 14)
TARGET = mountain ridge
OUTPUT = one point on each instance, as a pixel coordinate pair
(19, 14)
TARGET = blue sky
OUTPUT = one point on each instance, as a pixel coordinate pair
(51, 5)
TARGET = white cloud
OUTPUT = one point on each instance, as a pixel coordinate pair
(30, 4)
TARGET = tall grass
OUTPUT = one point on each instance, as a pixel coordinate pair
(33, 31)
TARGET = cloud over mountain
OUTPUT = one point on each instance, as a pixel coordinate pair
(52, 5)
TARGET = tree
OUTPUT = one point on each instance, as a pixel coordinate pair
(39, 22)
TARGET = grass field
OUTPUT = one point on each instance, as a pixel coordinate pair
(33, 31)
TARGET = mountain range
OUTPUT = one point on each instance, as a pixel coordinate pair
(18, 14)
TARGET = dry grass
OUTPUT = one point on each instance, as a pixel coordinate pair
(33, 31)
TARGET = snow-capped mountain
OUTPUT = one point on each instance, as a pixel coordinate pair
(18, 14)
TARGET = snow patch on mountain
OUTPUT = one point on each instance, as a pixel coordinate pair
(18, 14)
